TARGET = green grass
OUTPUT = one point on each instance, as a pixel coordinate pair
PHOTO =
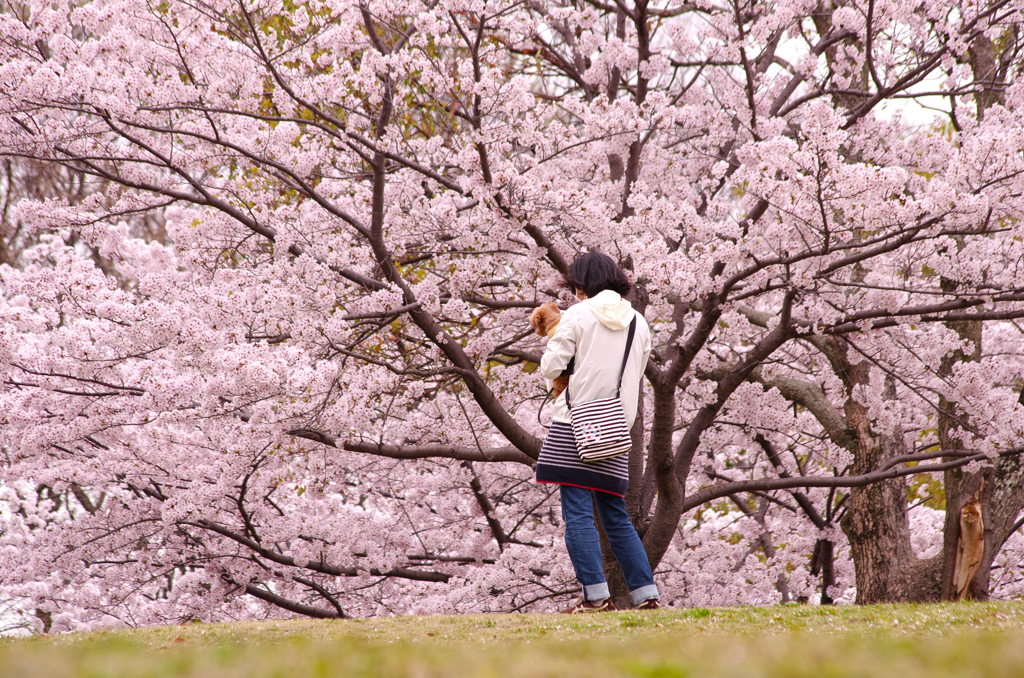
(906, 641)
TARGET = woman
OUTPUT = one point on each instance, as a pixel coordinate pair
(593, 333)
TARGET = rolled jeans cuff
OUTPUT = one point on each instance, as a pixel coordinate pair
(597, 591)
(643, 593)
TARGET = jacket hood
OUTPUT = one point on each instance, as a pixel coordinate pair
(612, 310)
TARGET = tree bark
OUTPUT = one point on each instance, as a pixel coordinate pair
(878, 527)
(876, 522)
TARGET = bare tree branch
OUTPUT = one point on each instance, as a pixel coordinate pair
(890, 469)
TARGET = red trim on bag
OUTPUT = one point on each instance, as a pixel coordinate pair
(582, 487)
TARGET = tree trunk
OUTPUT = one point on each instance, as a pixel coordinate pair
(981, 512)
(1005, 505)
(877, 523)
(970, 549)
(823, 563)
(878, 528)
(46, 618)
(963, 548)
(981, 506)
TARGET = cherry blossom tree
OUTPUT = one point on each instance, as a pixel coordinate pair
(314, 390)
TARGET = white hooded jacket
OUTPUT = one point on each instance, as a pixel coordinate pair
(595, 332)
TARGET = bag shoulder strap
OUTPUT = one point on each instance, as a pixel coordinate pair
(625, 355)
(622, 369)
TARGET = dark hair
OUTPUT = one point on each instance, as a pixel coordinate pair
(594, 273)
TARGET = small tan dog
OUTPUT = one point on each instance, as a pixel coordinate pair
(544, 320)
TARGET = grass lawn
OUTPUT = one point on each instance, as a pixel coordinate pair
(906, 641)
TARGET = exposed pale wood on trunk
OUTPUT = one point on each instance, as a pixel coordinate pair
(970, 549)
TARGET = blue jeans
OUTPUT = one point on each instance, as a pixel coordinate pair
(584, 546)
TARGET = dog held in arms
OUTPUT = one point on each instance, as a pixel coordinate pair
(544, 320)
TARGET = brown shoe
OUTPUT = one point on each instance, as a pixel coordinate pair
(581, 606)
(649, 604)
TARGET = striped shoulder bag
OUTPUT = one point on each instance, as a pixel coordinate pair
(599, 426)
